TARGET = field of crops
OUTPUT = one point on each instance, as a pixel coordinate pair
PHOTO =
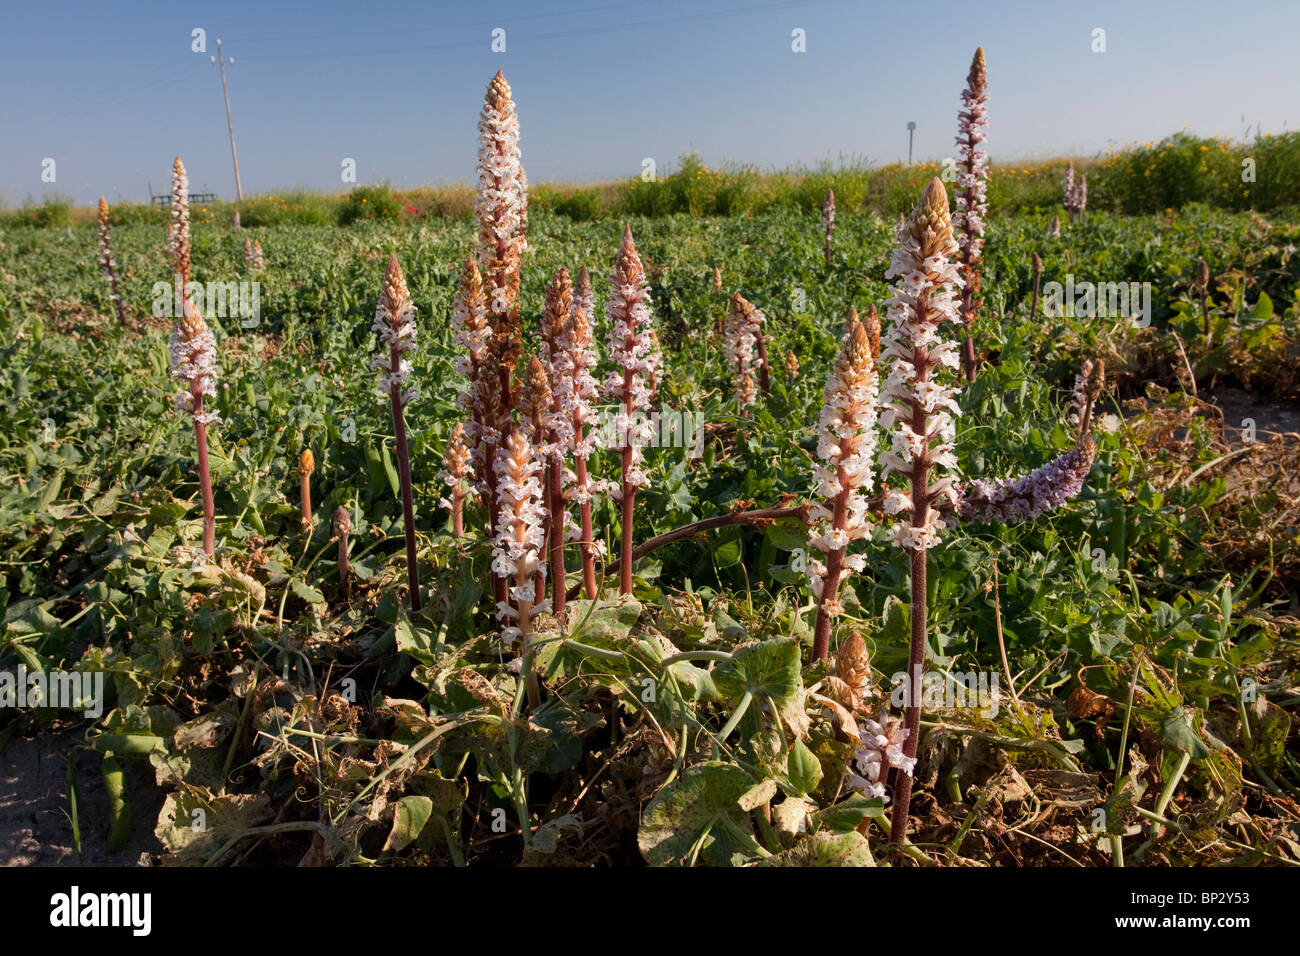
(1114, 679)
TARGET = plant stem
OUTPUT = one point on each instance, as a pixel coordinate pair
(205, 481)
(404, 474)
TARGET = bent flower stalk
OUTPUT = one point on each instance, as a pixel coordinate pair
(194, 365)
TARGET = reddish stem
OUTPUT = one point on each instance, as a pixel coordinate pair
(205, 480)
(404, 474)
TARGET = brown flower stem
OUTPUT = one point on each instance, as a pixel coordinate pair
(534, 689)
(629, 490)
(345, 569)
(912, 712)
(205, 481)
(307, 522)
(404, 475)
(556, 569)
(588, 557)
(1038, 278)
(458, 513)
(969, 360)
(764, 379)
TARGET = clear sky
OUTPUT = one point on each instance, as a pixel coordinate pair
(112, 91)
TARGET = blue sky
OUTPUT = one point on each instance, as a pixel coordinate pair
(112, 91)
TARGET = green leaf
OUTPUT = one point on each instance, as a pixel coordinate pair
(848, 814)
(409, 817)
(699, 807)
(768, 669)
(306, 592)
(826, 849)
(1263, 307)
(804, 770)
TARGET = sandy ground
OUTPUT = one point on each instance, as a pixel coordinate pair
(34, 830)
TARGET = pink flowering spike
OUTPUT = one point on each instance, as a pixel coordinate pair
(972, 199)
(1034, 495)
(455, 475)
(634, 348)
(739, 334)
(518, 547)
(194, 366)
(178, 232)
(579, 391)
(395, 323)
(473, 335)
(828, 222)
(846, 448)
(919, 410)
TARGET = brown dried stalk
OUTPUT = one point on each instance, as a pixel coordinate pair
(342, 527)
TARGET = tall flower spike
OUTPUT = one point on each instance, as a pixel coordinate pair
(717, 280)
(342, 528)
(558, 420)
(1067, 187)
(872, 324)
(632, 347)
(395, 323)
(919, 410)
(501, 205)
(178, 233)
(473, 335)
(578, 391)
(110, 264)
(828, 222)
(194, 365)
(1043, 490)
(518, 545)
(883, 744)
(740, 352)
(1055, 231)
(257, 255)
(248, 252)
(972, 199)
(846, 448)
(455, 475)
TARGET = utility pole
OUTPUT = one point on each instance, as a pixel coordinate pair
(911, 129)
(221, 63)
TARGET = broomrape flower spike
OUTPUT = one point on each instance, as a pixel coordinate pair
(342, 528)
(558, 422)
(972, 199)
(740, 352)
(501, 205)
(110, 264)
(518, 545)
(632, 346)
(846, 448)
(473, 335)
(883, 744)
(306, 465)
(918, 408)
(194, 365)
(178, 233)
(455, 475)
(578, 390)
(395, 323)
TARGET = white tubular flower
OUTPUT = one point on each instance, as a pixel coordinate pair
(828, 211)
(248, 251)
(846, 448)
(473, 335)
(518, 548)
(194, 364)
(880, 747)
(633, 346)
(558, 364)
(395, 323)
(257, 254)
(739, 334)
(1068, 186)
(917, 407)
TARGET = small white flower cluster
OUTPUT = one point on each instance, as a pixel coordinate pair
(194, 363)
(742, 326)
(248, 252)
(1076, 193)
(633, 346)
(519, 546)
(880, 746)
(257, 254)
(972, 162)
(395, 323)
(502, 200)
(918, 408)
(828, 211)
(106, 244)
(846, 448)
